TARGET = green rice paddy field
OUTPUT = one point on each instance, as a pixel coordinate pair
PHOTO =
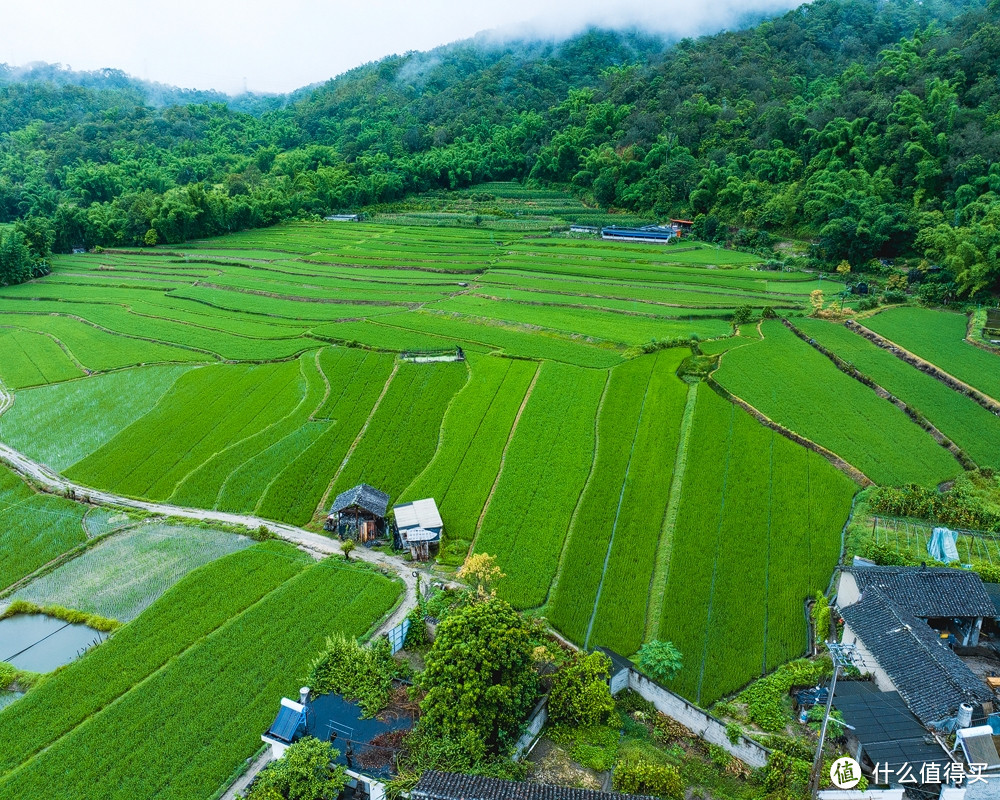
(264, 372)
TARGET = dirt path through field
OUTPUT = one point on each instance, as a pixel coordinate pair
(316, 544)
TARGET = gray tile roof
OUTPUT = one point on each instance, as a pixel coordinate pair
(929, 591)
(930, 678)
(454, 786)
(363, 496)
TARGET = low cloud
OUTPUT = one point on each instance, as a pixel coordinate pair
(268, 47)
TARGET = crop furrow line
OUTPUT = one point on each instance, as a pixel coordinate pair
(503, 457)
(661, 570)
(618, 511)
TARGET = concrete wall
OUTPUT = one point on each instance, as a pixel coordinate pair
(536, 722)
(698, 721)
(847, 590)
(871, 665)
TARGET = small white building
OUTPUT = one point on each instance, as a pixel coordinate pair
(419, 526)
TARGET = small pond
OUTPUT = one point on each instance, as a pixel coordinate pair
(6, 698)
(39, 643)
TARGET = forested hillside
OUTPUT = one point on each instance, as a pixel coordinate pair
(869, 127)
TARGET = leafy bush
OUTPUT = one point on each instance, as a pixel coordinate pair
(580, 693)
(765, 699)
(636, 775)
(480, 677)
(358, 673)
(305, 772)
(821, 616)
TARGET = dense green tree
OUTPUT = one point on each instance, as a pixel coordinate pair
(660, 660)
(480, 678)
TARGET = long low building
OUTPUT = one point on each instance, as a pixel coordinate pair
(650, 234)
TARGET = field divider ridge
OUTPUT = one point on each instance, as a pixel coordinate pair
(837, 461)
(661, 568)
(915, 416)
(987, 402)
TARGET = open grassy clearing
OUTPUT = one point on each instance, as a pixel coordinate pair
(124, 574)
(544, 472)
(59, 425)
(939, 337)
(964, 421)
(268, 646)
(798, 387)
(34, 528)
(758, 531)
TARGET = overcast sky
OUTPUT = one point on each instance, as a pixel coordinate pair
(279, 46)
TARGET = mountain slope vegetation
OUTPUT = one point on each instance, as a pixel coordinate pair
(868, 127)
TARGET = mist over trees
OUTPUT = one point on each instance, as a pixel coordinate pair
(870, 128)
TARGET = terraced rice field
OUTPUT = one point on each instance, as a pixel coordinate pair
(262, 373)
(798, 387)
(235, 634)
(758, 531)
(939, 337)
(961, 419)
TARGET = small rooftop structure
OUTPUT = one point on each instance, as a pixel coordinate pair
(358, 513)
(684, 223)
(367, 746)
(419, 525)
(435, 785)
(343, 218)
(904, 654)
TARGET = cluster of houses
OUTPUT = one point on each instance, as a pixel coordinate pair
(361, 514)
(926, 642)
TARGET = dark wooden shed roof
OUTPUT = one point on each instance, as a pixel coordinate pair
(362, 496)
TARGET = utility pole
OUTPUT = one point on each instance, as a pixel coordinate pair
(843, 656)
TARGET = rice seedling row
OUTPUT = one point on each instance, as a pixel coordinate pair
(195, 606)
(545, 470)
(800, 388)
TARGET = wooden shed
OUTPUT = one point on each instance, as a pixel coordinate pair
(359, 513)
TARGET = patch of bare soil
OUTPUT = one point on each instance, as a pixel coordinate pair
(549, 763)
